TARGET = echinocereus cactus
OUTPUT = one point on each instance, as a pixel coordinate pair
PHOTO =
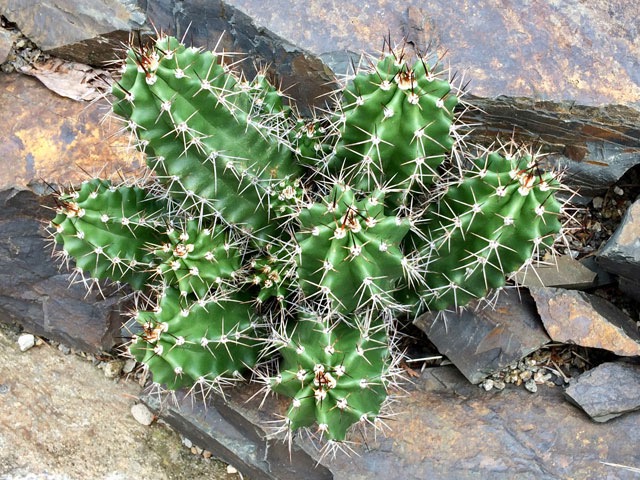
(321, 231)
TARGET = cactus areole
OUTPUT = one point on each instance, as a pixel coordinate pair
(259, 235)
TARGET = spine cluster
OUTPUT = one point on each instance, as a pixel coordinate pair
(258, 233)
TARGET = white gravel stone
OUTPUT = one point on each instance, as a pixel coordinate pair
(487, 384)
(26, 341)
(129, 365)
(142, 414)
(597, 202)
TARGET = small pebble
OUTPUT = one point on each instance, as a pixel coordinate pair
(499, 385)
(26, 341)
(64, 349)
(487, 384)
(618, 191)
(187, 443)
(113, 369)
(531, 386)
(231, 469)
(142, 414)
(526, 375)
(597, 202)
(207, 454)
(559, 381)
(129, 365)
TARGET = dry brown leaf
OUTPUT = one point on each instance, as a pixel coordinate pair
(70, 79)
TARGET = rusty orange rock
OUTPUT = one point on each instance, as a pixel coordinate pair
(56, 140)
(578, 317)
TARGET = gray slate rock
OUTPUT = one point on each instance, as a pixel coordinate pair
(576, 317)
(566, 273)
(543, 85)
(34, 294)
(446, 429)
(481, 342)
(621, 254)
(77, 30)
(607, 391)
(6, 42)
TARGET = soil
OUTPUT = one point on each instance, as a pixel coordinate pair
(61, 418)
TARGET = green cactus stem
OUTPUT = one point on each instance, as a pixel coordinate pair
(490, 224)
(335, 374)
(217, 142)
(196, 259)
(396, 126)
(330, 227)
(105, 228)
(274, 273)
(203, 346)
(349, 250)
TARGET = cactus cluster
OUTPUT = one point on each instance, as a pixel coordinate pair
(259, 233)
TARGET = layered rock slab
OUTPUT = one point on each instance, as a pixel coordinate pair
(621, 254)
(587, 320)
(56, 140)
(563, 77)
(74, 29)
(483, 339)
(35, 295)
(607, 391)
(447, 429)
(546, 76)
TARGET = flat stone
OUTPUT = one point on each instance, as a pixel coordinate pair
(6, 42)
(446, 429)
(522, 61)
(621, 254)
(630, 287)
(51, 141)
(482, 341)
(566, 273)
(129, 365)
(87, 32)
(607, 391)
(571, 316)
(603, 278)
(560, 98)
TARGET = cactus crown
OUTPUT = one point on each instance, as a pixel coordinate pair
(260, 233)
